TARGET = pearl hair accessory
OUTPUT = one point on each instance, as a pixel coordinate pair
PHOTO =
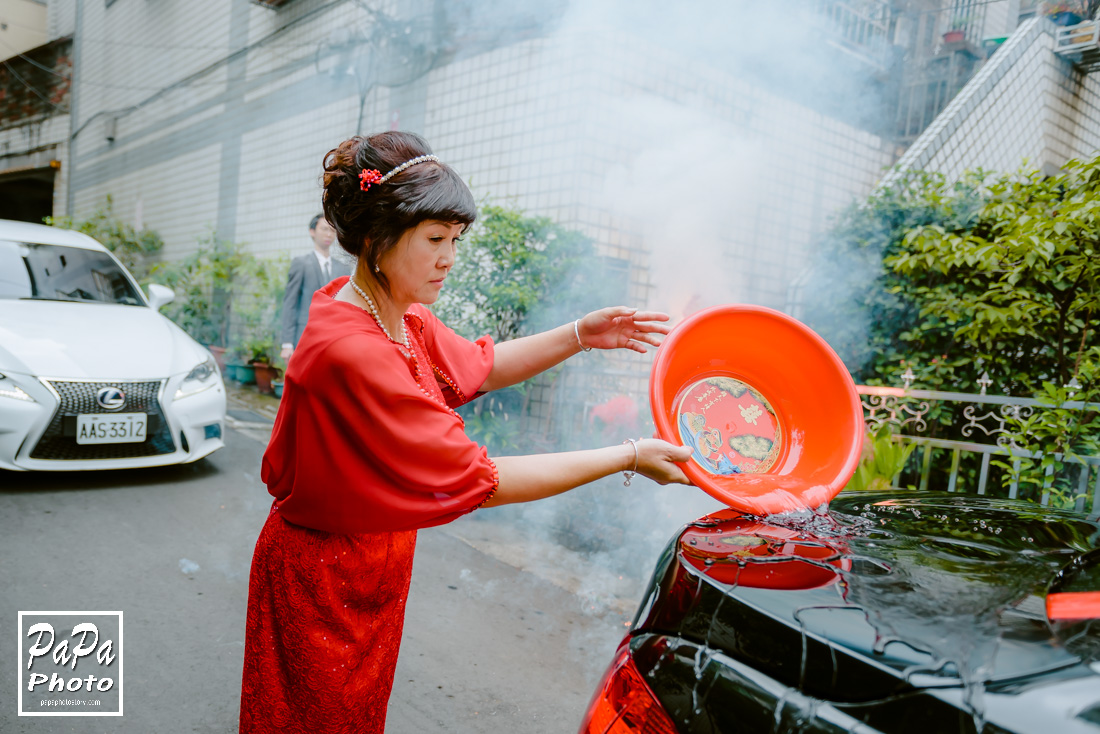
(373, 310)
(406, 164)
(370, 176)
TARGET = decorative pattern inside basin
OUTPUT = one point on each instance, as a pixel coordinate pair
(730, 426)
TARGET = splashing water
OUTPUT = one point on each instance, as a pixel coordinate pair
(942, 585)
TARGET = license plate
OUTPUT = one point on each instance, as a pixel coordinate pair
(116, 428)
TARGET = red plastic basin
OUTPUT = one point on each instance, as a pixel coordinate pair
(768, 406)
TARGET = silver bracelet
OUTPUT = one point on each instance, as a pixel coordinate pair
(630, 474)
(577, 331)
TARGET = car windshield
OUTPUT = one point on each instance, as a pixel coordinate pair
(30, 270)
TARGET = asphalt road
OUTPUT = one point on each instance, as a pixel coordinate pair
(488, 647)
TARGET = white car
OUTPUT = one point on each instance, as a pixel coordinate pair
(91, 375)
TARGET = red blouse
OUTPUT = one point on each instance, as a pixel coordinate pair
(367, 439)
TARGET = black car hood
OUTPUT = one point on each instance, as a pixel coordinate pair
(886, 593)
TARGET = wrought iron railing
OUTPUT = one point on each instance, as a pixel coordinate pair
(985, 420)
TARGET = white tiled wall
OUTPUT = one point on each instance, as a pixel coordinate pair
(714, 189)
(569, 127)
(130, 55)
(280, 188)
(554, 126)
(177, 199)
(60, 18)
(1026, 102)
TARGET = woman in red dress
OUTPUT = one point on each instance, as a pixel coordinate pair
(370, 393)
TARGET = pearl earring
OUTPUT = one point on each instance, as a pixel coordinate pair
(377, 269)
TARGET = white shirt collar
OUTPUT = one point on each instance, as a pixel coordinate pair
(322, 260)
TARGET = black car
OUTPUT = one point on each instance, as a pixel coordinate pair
(894, 612)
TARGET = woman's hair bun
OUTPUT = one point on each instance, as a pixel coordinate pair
(370, 223)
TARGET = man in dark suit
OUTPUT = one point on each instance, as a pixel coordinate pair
(307, 274)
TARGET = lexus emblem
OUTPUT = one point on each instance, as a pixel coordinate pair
(110, 398)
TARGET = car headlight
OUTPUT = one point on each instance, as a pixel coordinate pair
(8, 389)
(202, 377)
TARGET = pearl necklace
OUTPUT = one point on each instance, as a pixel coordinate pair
(373, 310)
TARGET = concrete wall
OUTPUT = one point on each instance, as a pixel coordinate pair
(35, 94)
(36, 146)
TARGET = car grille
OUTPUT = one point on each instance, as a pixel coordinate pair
(58, 443)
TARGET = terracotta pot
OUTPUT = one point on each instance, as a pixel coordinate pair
(954, 36)
(265, 373)
(219, 357)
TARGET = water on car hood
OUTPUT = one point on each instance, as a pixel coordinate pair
(886, 592)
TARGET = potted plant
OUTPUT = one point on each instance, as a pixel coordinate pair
(957, 30)
(1064, 14)
(205, 283)
(219, 356)
(256, 317)
(260, 351)
(237, 367)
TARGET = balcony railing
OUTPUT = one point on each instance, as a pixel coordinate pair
(985, 426)
(1080, 43)
(859, 28)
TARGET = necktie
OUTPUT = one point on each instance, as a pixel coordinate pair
(328, 274)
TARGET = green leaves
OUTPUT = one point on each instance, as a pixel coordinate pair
(227, 297)
(883, 459)
(517, 275)
(224, 294)
(1008, 262)
(1058, 433)
(514, 274)
(997, 273)
(136, 249)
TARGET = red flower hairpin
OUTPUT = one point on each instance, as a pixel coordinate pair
(369, 176)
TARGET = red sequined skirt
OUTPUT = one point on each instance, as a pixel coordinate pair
(325, 613)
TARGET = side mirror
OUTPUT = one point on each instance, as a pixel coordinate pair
(160, 295)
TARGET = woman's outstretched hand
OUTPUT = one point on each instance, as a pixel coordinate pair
(620, 327)
(659, 461)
